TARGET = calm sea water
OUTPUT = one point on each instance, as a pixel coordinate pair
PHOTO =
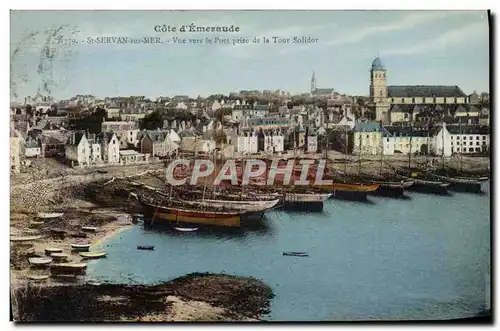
(423, 258)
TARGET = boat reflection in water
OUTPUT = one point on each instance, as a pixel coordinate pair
(261, 228)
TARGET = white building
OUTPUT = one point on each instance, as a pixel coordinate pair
(469, 139)
(441, 142)
(312, 144)
(110, 147)
(32, 148)
(247, 142)
(78, 150)
(274, 141)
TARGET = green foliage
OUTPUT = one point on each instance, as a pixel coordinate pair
(92, 122)
(152, 121)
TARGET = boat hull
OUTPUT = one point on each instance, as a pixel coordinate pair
(390, 191)
(306, 206)
(164, 215)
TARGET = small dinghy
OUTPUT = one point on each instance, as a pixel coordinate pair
(60, 257)
(35, 224)
(50, 250)
(81, 246)
(302, 254)
(40, 261)
(89, 228)
(68, 268)
(93, 255)
(27, 238)
(79, 235)
(186, 229)
(38, 277)
(146, 247)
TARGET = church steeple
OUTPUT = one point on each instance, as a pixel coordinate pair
(313, 82)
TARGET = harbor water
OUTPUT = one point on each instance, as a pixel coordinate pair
(427, 257)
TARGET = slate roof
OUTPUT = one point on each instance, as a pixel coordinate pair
(322, 91)
(407, 131)
(367, 127)
(468, 129)
(399, 91)
(377, 65)
(31, 143)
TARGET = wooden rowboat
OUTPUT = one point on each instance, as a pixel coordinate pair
(68, 268)
(301, 254)
(60, 256)
(27, 238)
(186, 229)
(80, 247)
(40, 261)
(146, 247)
(93, 255)
(50, 250)
(38, 277)
(89, 228)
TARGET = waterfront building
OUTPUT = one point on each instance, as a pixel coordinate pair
(366, 138)
(110, 147)
(270, 141)
(469, 139)
(78, 150)
(247, 141)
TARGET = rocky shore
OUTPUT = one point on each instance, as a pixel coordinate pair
(195, 297)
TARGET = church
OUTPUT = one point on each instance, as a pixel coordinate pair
(406, 103)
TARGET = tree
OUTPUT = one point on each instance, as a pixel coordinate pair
(152, 121)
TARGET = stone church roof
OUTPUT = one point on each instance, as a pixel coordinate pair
(425, 91)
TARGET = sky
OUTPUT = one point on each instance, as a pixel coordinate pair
(416, 47)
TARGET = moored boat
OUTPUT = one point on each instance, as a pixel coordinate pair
(50, 250)
(305, 201)
(350, 191)
(459, 184)
(93, 255)
(146, 247)
(425, 186)
(60, 257)
(300, 254)
(40, 261)
(80, 246)
(185, 229)
(68, 268)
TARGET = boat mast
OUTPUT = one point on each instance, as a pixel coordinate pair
(442, 145)
(345, 152)
(409, 154)
(381, 153)
(359, 158)
(461, 148)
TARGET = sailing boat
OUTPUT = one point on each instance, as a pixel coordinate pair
(420, 184)
(350, 191)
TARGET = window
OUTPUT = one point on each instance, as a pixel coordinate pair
(478, 149)
(367, 136)
(470, 143)
(484, 137)
(114, 142)
(471, 149)
(465, 138)
(477, 137)
(477, 143)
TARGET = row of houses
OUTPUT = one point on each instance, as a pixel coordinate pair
(373, 138)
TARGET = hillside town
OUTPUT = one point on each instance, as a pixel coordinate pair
(85, 131)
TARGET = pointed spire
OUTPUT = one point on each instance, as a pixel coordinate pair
(313, 82)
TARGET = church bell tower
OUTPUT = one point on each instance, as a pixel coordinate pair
(378, 91)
